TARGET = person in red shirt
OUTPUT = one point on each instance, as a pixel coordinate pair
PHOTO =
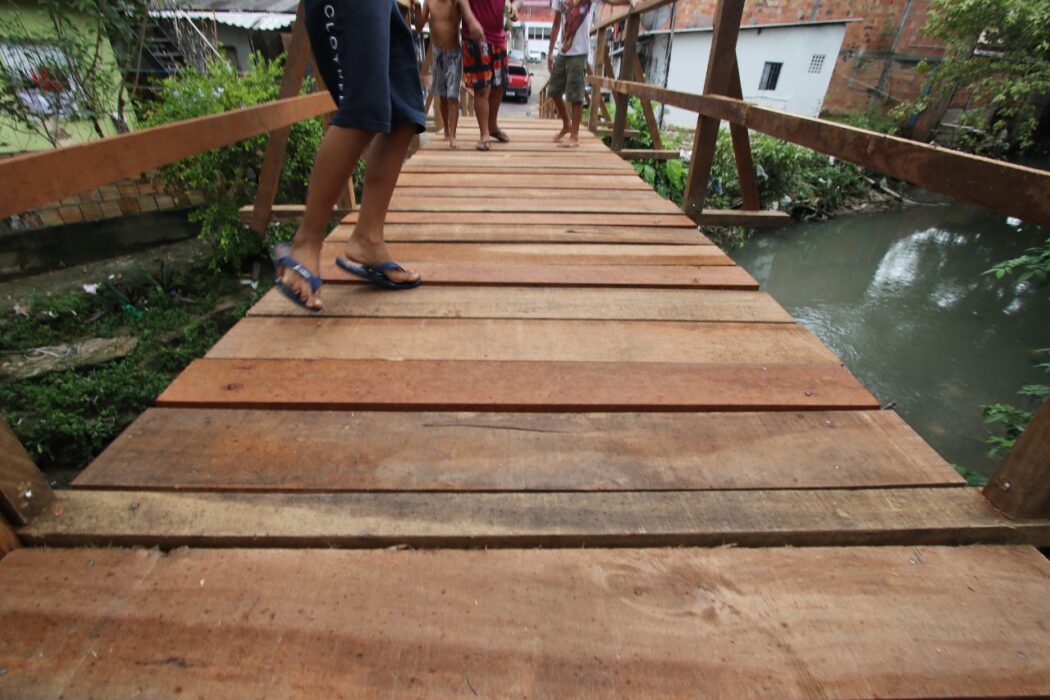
(485, 67)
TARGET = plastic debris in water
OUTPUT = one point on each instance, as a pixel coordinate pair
(91, 288)
(1013, 221)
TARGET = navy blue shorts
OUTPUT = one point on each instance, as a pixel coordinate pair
(364, 52)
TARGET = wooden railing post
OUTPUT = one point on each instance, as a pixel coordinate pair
(627, 58)
(601, 51)
(294, 71)
(24, 492)
(719, 78)
(1020, 486)
(647, 108)
(745, 164)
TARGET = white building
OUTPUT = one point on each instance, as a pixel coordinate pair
(782, 66)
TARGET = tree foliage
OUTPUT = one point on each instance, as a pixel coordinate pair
(229, 176)
(68, 76)
(999, 50)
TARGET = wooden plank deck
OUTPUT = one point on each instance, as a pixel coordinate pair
(581, 370)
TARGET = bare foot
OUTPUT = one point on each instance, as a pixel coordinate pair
(310, 257)
(452, 143)
(562, 134)
(573, 142)
(483, 145)
(369, 253)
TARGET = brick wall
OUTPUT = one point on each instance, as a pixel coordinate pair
(877, 65)
(123, 198)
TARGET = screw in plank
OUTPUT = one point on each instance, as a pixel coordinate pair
(1005, 485)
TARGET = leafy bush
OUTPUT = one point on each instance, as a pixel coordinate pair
(229, 176)
(791, 177)
(1011, 420)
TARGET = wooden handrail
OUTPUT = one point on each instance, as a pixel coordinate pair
(638, 9)
(35, 179)
(1010, 189)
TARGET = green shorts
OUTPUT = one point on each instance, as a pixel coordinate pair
(568, 77)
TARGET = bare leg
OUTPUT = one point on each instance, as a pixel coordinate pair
(340, 150)
(574, 134)
(444, 115)
(452, 121)
(382, 168)
(481, 111)
(495, 100)
(559, 104)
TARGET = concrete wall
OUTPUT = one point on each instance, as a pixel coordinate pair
(798, 90)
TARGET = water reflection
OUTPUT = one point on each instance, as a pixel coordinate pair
(901, 297)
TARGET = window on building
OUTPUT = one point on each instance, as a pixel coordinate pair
(770, 76)
(816, 64)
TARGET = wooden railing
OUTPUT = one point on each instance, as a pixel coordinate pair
(1020, 486)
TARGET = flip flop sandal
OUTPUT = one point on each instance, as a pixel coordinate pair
(281, 258)
(376, 274)
(501, 136)
(482, 147)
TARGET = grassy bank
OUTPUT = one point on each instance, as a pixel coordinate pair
(66, 417)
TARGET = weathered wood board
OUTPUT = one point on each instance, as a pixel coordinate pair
(897, 622)
(514, 386)
(423, 451)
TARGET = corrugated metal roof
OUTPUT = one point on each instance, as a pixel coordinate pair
(255, 21)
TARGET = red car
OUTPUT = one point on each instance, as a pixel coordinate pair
(519, 82)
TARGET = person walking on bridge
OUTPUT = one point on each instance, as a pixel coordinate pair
(569, 70)
(446, 17)
(485, 67)
(364, 52)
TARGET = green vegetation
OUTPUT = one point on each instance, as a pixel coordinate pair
(807, 184)
(65, 418)
(999, 51)
(229, 176)
(1034, 267)
(70, 53)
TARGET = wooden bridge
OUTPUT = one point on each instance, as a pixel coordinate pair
(520, 478)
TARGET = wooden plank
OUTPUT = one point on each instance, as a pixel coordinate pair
(519, 218)
(553, 254)
(398, 339)
(565, 191)
(286, 213)
(24, 491)
(538, 233)
(501, 203)
(501, 274)
(628, 56)
(639, 8)
(534, 303)
(466, 170)
(720, 65)
(884, 517)
(785, 623)
(648, 154)
(74, 169)
(531, 147)
(1011, 189)
(600, 51)
(592, 181)
(762, 218)
(1020, 486)
(423, 451)
(9, 541)
(513, 386)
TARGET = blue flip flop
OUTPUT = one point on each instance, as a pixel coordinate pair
(376, 274)
(281, 257)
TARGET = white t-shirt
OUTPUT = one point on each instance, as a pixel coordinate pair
(581, 43)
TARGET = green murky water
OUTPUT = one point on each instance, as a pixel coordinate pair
(901, 298)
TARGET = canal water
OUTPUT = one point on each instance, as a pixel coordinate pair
(901, 298)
